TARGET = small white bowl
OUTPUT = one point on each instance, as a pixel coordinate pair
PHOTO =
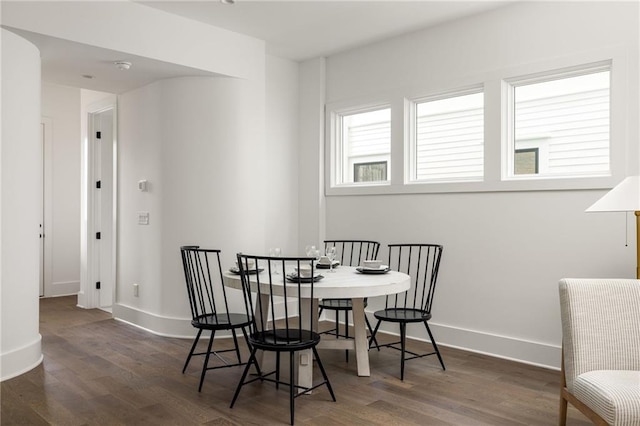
(372, 264)
(304, 271)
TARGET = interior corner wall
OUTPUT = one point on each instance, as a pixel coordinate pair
(200, 144)
(283, 148)
(62, 106)
(21, 206)
(504, 252)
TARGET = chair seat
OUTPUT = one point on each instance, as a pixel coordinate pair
(612, 394)
(337, 304)
(281, 340)
(221, 322)
(402, 315)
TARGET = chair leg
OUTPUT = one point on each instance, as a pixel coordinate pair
(193, 348)
(435, 346)
(291, 386)
(277, 370)
(252, 360)
(403, 336)
(246, 339)
(206, 360)
(346, 333)
(372, 339)
(371, 331)
(324, 373)
(562, 421)
(235, 342)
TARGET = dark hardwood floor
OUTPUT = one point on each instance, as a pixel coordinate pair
(98, 371)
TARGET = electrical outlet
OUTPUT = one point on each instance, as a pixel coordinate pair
(135, 289)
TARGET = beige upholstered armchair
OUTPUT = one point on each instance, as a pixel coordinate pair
(601, 349)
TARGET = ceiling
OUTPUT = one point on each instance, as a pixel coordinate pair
(303, 29)
(294, 29)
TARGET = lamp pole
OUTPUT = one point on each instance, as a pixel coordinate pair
(637, 244)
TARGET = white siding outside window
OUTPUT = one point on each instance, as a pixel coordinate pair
(449, 139)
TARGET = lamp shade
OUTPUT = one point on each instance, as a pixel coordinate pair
(624, 197)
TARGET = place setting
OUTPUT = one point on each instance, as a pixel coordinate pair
(303, 275)
(250, 269)
(372, 267)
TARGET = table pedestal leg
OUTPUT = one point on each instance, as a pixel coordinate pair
(305, 358)
(360, 329)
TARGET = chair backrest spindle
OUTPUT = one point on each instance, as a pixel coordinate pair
(422, 263)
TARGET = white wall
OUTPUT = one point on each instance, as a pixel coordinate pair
(200, 143)
(62, 106)
(282, 150)
(503, 252)
(21, 206)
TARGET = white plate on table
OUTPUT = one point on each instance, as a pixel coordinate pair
(293, 277)
(236, 270)
(383, 269)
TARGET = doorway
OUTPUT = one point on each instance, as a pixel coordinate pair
(99, 206)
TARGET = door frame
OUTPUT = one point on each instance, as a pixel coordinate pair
(46, 263)
(89, 296)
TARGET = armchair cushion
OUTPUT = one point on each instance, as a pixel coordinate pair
(612, 394)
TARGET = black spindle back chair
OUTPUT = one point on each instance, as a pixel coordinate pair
(210, 306)
(350, 253)
(283, 318)
(422, 263)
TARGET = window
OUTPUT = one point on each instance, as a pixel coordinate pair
(557, 124)
(565, 119)
(374, 171)
(526, 161)
(448, 138)
(363, 146)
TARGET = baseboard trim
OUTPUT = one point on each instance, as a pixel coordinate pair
(179, 328)
(21, 360)
(509, 348)
(514, 349)
(62, 288)
(153, 323)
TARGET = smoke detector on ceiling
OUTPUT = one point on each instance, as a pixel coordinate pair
(122, 65)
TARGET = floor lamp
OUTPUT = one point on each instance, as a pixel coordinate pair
(624, 197)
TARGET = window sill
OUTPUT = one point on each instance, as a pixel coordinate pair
(555, 184)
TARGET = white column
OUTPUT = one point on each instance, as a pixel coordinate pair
(20, 206)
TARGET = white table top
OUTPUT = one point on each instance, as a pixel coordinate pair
(345, 283)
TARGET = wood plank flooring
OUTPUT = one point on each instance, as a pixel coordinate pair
(98, 371)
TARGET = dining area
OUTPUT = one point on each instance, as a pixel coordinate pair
(298, 305)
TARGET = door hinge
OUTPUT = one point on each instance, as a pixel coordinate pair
(97, 235)
(97, 285)
(98, 184)
(98, 135)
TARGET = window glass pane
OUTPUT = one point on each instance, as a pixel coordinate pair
(449, 138)
(366, 141)
(567, 121)
(370, 172)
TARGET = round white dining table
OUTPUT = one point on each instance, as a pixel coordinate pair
(345, 282)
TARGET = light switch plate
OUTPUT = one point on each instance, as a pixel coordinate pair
(143, 218)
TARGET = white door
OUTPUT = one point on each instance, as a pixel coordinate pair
(103, 217)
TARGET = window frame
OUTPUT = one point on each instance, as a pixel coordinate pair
(340, 165)
(508, 162)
